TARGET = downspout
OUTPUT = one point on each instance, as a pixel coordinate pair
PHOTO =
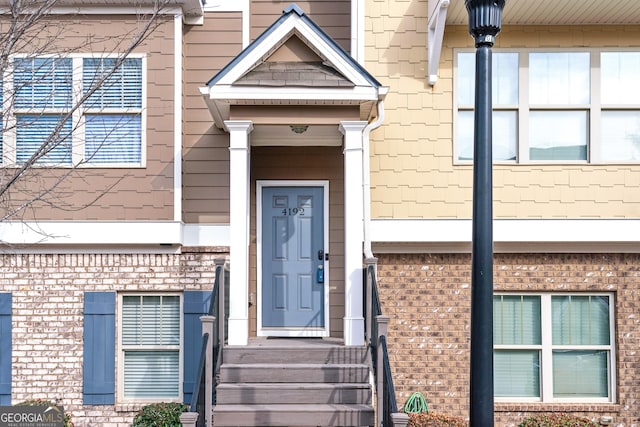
(366, 173)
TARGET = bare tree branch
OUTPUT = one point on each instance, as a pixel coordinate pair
(29, 30)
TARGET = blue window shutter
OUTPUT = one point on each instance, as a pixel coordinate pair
(5, 349)
(99, 348)
(196, 304)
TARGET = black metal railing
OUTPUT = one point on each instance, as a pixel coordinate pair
(389, 403)
(376, 331)
(197, 398)
(218, 309)
(373, 309)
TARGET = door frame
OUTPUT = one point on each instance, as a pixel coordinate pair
(291, 332)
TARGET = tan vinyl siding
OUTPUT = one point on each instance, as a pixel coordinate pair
(305, 163)
(334, 17)
(113, 193)
(413, 174)
(207, 49)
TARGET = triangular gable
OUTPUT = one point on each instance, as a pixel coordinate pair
(294, 22)
(323, 73)
(294, 64)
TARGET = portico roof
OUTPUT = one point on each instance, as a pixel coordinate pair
(292, 63)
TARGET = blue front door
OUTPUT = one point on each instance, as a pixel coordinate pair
(293, 256)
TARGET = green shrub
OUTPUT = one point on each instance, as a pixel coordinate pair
(557, 420)
(160, 415)
(432, 419)
(41, 402)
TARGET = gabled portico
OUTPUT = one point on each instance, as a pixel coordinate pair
(295, 87)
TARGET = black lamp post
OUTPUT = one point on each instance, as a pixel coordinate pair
(485, 18)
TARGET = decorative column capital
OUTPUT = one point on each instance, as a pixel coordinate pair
(352, 126)
(239, 126)
(353, 132)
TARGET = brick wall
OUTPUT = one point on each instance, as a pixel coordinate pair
(47, 318)
(428, 297)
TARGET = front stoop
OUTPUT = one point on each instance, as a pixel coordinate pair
(294, 385)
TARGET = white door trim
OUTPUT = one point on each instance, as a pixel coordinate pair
(290, 332)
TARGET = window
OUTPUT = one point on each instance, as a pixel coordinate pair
(150, 352)
(107, 129)
(553, 348)
(100, 342)
(574, 106)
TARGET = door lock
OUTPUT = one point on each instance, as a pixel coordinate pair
(322, 256)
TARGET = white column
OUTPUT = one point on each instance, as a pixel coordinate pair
(353, 232)
(239, 149)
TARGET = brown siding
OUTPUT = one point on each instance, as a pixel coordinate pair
(428, 298)
(300, 163)
(207, 49)
(124, 193)
(334, 17)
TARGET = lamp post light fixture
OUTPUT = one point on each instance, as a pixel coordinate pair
(485, 18)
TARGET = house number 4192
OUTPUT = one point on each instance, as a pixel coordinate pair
(293, 211)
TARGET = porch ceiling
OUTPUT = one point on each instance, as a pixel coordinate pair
(296, 135)
(557, 12)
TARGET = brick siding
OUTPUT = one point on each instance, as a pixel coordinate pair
(428, 297)
(47, 319)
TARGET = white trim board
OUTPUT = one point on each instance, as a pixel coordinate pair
(510, 235)
(113, 233)
(398, 236)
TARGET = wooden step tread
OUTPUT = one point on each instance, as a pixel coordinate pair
(287, 415)
(280, 386)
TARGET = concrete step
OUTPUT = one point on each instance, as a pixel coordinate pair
(293, 373)
(296, 415)
(301, 354)
(300, 393)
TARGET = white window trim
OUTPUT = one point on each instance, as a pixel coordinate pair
(594, 108)
(546, 351)
(120, 349)
(10, 114)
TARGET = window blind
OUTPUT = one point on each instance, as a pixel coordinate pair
(151, 374)
(121, 89)
(113, 138)
(580, 373)
(580, 320)
(517, 373)
(42, 83)
(150, 339)
(33, 131)
(516, 320)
